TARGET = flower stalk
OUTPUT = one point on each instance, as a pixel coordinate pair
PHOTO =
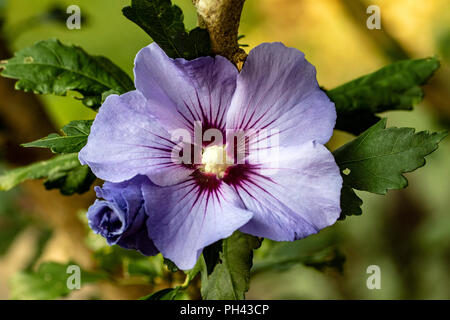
(221, 19)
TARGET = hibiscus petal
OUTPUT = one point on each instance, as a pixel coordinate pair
(181, 92)
(183, 220)
(126, 140)
(294, 197)
(141, 242)
(277, 89)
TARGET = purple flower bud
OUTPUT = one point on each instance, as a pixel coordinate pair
(121, 218)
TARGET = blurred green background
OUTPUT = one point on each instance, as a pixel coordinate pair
(406, 233)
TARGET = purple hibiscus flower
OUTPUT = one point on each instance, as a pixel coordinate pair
(121, 216)
(283, 195)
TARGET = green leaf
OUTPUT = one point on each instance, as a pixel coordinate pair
(63, 172)
(394, 87)
(48, 282)
(39, 170)
(50, 67)
(163, 22)
(376, 160)
(74, 139)
(231, 276)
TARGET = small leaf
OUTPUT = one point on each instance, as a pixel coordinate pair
(163, 22)
(64, 172)
(394, 87)
(50, 67)
(231, 276)
(74, 139)
(376, 160)
(48, 282)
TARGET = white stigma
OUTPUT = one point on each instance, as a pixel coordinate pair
(214, 160)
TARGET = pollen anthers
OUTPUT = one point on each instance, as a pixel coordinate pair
(215, 160)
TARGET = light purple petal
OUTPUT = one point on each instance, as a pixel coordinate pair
(294, 197)
(181, 92)
(126, 140)
(277, 89)
(182, 220)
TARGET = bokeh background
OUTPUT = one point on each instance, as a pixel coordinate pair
(406, 233)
